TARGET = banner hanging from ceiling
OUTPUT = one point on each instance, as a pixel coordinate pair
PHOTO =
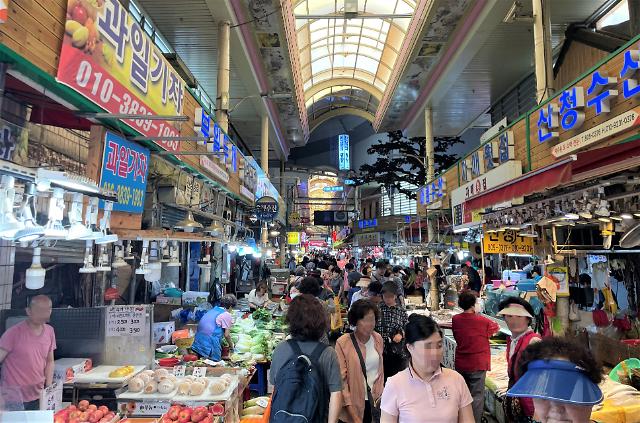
(108, 58)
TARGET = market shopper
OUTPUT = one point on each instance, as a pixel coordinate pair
(360, 358)
(380, 272)
(258, 296)
(425, 392)
(308, 322)
(544, 363)
(336, 280)
(475, 282)
(363, 284)
(518, 314)
(26, 355)
(396, 277)
(391, 327)
(473, 353)
(213, 327)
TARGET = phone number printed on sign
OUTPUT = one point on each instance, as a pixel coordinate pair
(125, 320)
(108, 58)
(507, 242)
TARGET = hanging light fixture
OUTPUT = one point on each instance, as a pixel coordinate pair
(174, 253)
(154, 267)
(105, 223)
(119, 256)
(142, 268)
(35, 275)
(73, 182)
(103, 260)
(88, 258)
(9, 225)
(603, 209)
(31, 230)
(215, 228)
(77, 230)
(188, 224)
(54, 228)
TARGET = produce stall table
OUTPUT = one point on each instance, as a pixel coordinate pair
(98, 387)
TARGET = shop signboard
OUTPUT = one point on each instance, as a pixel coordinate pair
(293, 238)
(344, 161)
(367, 223)
(266, 208)
(294, 219)
(607, 91)
(337, 188)
(125, 167)
(561, 273)
(213, 168)
(13, 140)
(489, 180)
(506, 242)
(433, 191)
(108, 58)
(369, 239)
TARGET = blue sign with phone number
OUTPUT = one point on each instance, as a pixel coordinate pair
(125, 167)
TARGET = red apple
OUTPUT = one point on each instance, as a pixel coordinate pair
(84, 416)
(79, 14)
(74, 414)
(104, 409)
(59, 419)
(83, 405)
(72, 407)
(217, 409)
(109, 416)
(92, 407)
(199, 413)
(93, 418)
(166, 419)
(207, 420)
(185, 415)
(73, 421)
(174, 412)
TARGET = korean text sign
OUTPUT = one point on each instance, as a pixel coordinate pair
(344, 160)
(108, 58)
(507, 242)
(125, 167)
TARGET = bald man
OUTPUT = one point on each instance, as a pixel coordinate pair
(26, 354)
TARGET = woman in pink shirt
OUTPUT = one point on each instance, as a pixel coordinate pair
(424, 392)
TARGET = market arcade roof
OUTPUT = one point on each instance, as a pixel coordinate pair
(348, 63)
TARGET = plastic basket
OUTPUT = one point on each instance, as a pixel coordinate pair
(184, 342)
(632, 363)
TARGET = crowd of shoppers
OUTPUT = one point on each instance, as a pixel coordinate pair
(387, 367)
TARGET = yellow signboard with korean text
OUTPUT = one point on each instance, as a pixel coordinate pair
(507, 242)
(293, 238)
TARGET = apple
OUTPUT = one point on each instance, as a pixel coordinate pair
(84, 416)
(104, 409)
(74, 414)
(79, 14)
(83, 405)
(174, 412)
(59, 419)
(92, 407)
(99, 414)
(207, 420)
(185, 415)
(217, 409)
(93, 418)
(166, 419)
(73, 421)
(72, 407)
(199, 413)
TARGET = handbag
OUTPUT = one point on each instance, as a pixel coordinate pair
(375, 408)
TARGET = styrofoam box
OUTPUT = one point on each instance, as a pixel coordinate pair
(66, 369)
(162, 332)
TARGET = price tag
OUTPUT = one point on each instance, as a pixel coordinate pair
(151, 408)
(263, 402)
(179, 371)
(125, 320)
(199, 371)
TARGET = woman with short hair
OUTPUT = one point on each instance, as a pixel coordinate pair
(258, 296)
(308, 322)
(361, 367)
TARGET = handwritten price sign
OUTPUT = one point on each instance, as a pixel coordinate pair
(125, 321)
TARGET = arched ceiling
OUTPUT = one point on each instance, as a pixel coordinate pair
(346, 64)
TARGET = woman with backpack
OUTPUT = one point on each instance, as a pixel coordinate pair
(304, 371)
(360, 357)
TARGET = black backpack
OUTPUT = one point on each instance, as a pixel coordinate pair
(301, 394)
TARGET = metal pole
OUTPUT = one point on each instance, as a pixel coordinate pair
(542, 49)
(264, 145)
(224, 70)
(634, 15)
(283, 234)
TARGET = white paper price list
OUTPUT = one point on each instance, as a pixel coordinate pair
(151, 408)
(125, 321)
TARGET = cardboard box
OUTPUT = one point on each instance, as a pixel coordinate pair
(194, 298)
(162, 332)
(66, 369)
